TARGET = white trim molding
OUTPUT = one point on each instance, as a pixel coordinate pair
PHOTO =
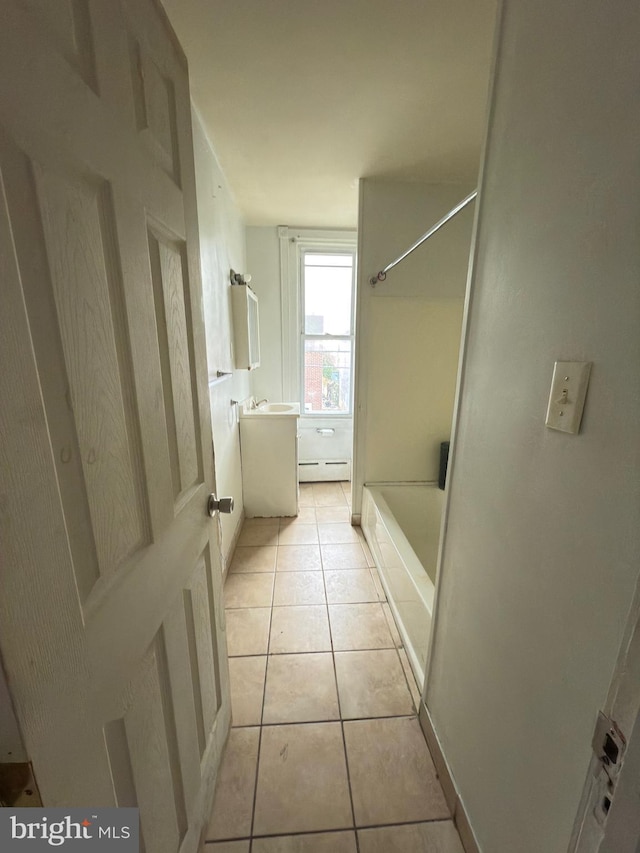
(293, 241)
(360, 370)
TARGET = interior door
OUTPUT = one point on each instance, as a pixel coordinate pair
(111, 618)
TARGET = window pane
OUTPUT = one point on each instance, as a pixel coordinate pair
(327, 376)
(327, 300)
(311, 260)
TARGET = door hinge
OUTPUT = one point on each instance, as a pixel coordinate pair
(608, 744)
(18, 786)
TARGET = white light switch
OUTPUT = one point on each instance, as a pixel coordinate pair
(568, 390)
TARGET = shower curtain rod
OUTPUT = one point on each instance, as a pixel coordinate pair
(383, 273)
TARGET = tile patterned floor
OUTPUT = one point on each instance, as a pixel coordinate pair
(326, 754)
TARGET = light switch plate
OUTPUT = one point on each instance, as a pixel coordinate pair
(568, 391)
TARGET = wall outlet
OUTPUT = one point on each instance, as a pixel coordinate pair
(568, 391)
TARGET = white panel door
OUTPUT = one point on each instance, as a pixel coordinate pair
(111, 619)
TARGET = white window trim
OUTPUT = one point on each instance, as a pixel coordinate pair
(293, 242)
(304, 337)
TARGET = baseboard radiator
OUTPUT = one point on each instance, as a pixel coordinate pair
(320, 469)
(324, 449)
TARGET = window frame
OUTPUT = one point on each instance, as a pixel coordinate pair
(304, 336)
(294, 243)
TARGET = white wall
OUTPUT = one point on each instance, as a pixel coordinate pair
(542, 545)
(263, 262)
(408, 329)
(221, 248)
(270, 380)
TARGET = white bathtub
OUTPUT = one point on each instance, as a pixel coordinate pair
(401, 524)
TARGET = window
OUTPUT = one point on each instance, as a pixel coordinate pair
(327, 330)
(318, 292)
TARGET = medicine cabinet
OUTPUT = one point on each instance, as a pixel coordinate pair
(246, 332)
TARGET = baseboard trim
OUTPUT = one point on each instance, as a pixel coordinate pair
(228, 557)
(451, 795)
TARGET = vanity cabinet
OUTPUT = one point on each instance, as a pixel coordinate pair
(269, 450)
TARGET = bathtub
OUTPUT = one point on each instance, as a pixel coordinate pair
(401, 524)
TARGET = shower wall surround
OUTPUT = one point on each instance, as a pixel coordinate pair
(408, 329)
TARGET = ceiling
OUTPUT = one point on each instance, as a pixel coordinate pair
(300, 98)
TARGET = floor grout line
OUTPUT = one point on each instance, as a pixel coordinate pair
(264, 693)
(335, 676)
(406, 716)
(354, 829)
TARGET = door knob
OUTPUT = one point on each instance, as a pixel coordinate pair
(215, 504)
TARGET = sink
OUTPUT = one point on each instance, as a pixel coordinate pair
(278, 408)
(271, 410)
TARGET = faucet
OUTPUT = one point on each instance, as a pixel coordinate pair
(257, 405)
